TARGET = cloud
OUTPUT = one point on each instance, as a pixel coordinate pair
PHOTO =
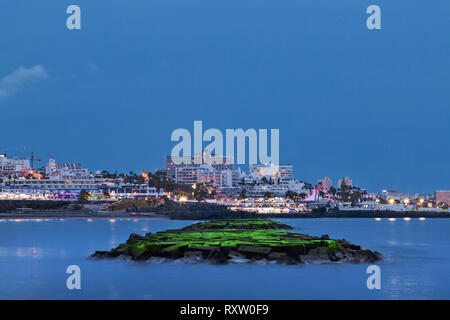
(15, 81)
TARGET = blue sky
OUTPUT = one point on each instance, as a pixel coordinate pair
(372, 105)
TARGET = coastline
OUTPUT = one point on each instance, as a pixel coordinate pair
(78, 214)
(187, 216)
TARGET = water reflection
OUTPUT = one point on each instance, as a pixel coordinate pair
(34, 257)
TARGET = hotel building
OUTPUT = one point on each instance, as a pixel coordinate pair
(442, 196)
(326, 183)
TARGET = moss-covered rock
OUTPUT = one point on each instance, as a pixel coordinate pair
(221, 241)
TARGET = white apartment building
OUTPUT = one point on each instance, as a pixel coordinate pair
(66, 170)
(231, 178)
(13, 165)
(280, 174)
(205, 174)
(172, 164)
(346, 180)
(326, 183)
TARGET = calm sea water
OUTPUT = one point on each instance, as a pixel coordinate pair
(34, 256)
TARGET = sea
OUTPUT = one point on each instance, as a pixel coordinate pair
(36, 255)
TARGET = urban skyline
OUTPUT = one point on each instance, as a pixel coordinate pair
(205, 171)
(113, 102)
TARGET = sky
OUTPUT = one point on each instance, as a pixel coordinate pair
(348, 101)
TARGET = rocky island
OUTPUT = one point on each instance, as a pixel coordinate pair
(240, 241)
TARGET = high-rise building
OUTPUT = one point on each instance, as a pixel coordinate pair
(204, 174)
(57, 170)
(171, 164)
(346, 180)
(326, 183)
(442, 196)
(280, 174)
(13, 165)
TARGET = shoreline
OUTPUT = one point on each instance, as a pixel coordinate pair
(307, 215)
(74, 215)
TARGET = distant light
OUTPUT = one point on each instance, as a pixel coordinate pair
(392, 219)
(407, 218)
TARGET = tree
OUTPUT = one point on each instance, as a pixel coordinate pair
(291, 195)
(243, 194)
(83, 196)
(333, 190)
(267, 194)
(200, 192)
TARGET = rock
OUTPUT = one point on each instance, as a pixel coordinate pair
(122, 248)
(239, 241)
(175, 251)
(196, 255)
(100, 254)
(254, 252)
(134, 237)
(139, 252)
(277, 256)
(236, 254)
(217, 257)
(354, 247)
(303, 236)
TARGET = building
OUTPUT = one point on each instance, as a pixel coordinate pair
(442, 196)
(171, 164)
(56, 170)
(185, 175)
(8, 165)
(346, 180)
(53, 185)
(326, 183)
(231, 178)
(207, 175)
(280, 174)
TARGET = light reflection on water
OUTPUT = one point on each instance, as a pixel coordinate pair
(34, 255)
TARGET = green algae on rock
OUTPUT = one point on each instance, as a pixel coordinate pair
(239, 241)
